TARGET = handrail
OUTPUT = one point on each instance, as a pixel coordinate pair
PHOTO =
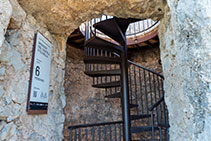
(156, 103)
(146, 69)
(95, 124)
(142, 67)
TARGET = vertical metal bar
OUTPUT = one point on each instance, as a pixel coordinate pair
(93, 133)
(110, 133)
(153, 129)
(75, 136)
(79, 134)
(115, 133)
(86, 132)
(125, 92)
(155, 97)
(120, 133)
(164, 109)
(130, 85)
(146, 95)
(139, 27)
(71, 134)
(104, 133)
(99, 134)
(150, 86)
(160, 131)
(136, 96)
(141, 94)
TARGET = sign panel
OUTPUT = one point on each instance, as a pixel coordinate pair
(40, 75)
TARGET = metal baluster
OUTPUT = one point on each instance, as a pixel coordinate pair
(164, 110)
(110, 76)
(120, 133)
(153, 126)
(130, 86)
(104, 133)
(110, 133)
(75, 136)
(150, 86)
(95, 31)
(159, 93)
(147, 24)
(136, 96)
(134, 27)
(79, 134)
(155, 93)
(99, 134)
(115, 136)
(143, 25)
(86, 134)
(146, 95)
(106, 80)
(160, 131)
(71, 134)
(139, 27)
(93, 133)
(140, 81)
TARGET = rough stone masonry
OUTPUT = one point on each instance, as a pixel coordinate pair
(185, 53)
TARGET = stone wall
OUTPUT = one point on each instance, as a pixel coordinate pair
(186, 57)
(16, 38)
(85, 104)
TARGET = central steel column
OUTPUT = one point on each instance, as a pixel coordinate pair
(125, 93)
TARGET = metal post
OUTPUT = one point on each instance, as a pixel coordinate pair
(125, 93)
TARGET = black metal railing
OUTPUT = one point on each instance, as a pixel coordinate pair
(146, 91)
(107, 131)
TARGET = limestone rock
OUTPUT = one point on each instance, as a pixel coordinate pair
(18, 15)
(11, 56)
(185, 43)
(8, 131)
(62, 17)
(5, 14)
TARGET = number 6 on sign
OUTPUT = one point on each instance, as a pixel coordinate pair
(37, 72)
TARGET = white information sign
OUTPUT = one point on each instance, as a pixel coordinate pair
(40, 74)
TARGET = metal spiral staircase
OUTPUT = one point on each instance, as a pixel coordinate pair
(140, 90)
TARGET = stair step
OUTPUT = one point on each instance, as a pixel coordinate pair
(110, 28)
(141, 116)
(147, 140)
(142, 129)
(98, 43)
(133, 105)
(163, 125)
(101, 60)
(103, 73)
(115, 28)
(108, 85)
(124, 23)
(116, 95)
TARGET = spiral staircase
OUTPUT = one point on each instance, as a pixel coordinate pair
(140, 90)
